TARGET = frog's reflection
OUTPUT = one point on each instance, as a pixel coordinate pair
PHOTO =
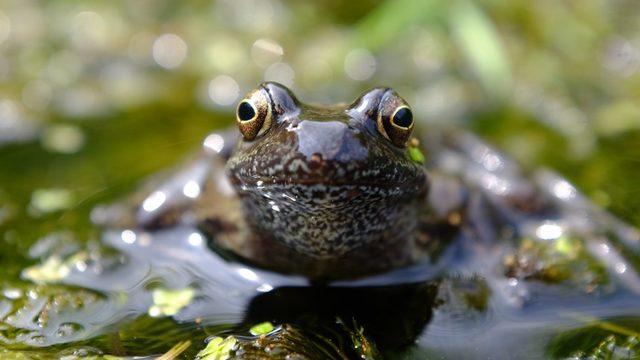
(392, 316)
(393, 309)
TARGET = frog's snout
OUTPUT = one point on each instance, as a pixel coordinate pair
(322, 141)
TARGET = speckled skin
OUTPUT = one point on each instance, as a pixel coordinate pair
(327, 192)
(327, 186)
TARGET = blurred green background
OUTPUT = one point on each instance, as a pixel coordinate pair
(95, 95)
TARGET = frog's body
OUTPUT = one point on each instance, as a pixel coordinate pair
(323, 188)
(333, 194)
(321, 191)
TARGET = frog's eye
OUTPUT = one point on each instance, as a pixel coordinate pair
(403, 117)
(395, 125)
(246, 112)
(254, 115)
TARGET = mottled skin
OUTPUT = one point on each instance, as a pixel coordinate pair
(326, 187)
(324, 191)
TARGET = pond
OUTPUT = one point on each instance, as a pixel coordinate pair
(106, 95)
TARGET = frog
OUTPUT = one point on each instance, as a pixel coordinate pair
(328, 192)
(303, 214)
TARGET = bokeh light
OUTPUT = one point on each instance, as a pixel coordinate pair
(169, 51)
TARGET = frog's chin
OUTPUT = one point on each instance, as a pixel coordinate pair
(325, 221)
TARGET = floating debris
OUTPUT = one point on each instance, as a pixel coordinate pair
(560, 261)
(168, 302)
(261, 329)
(218, 348)
(176, 350)
(51, 271)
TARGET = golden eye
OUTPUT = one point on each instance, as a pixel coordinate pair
(396, 125)
(254, 115)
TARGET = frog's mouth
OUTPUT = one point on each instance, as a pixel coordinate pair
(307, 173)
(271, 181)
(415, 185)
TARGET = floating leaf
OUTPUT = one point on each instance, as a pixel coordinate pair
(218, 348)
(52, 270)
(168, 302)
(261, 329)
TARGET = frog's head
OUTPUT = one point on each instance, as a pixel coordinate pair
(326, 180)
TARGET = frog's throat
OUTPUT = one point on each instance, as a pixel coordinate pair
(330, 221)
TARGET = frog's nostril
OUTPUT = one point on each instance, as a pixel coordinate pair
(316, 161)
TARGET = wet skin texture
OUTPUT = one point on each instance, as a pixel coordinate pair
(325, 187)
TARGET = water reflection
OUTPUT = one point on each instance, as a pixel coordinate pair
(392, 316)
(448, 307)
(154, 201)
(215, 290)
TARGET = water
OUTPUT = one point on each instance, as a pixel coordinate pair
(99, 296)
(110, 292)
(554, 84)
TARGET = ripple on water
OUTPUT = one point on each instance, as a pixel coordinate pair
(117, 280)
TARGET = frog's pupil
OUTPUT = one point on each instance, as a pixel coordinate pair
(245, 111)
(403, 117)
